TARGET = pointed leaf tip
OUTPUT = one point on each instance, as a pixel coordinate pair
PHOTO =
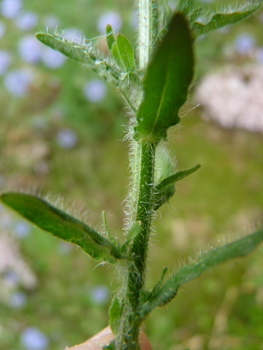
(205, 261)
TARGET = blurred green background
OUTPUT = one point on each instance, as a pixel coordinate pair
(61, 133)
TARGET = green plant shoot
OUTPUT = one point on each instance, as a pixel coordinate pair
(159, 73)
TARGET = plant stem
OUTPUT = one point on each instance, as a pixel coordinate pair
(128, 337)
(143, 215)
(148, 30)
(141, 196)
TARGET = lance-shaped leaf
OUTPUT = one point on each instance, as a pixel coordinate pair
(166, 82)
(212, 258)
(85, 54)
(216, 20)
(62, 225)
(165, 189)
(126, 52)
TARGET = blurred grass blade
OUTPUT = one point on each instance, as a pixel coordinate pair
(86, 54)
(216, 20)
(165, 189)
(109, 37)
(62, 225)
(166, 82)
(126, 52)
(115, 315)
(205, 261)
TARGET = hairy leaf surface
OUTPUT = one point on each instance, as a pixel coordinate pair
(216, 20)
(212, 258)
(166, 83)
(85, 54)
(62, 225)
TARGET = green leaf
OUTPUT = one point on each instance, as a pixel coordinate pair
(109, 37)
(86, 54)
(228, 15)
(62, 225)
(176, 177)
(115, 315)
(116, 55)
(205, 261)
(126, 52)
(166, 83)
(165, 189)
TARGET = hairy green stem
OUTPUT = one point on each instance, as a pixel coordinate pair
(128, 338)
(143, 215)
(141, 196)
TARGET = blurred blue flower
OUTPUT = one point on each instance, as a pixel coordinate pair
(17, 299)
(11, 8)
(259, 54)
(244, 43)
(32, 339)
(51, 58)
(30, 48)
(100, 294)
(73, 34)
(110, 17)
(5, 60)
(26, 20)
(21, 229)
(67, 138)
(17, 82)
(95, 90)
(2, 29)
